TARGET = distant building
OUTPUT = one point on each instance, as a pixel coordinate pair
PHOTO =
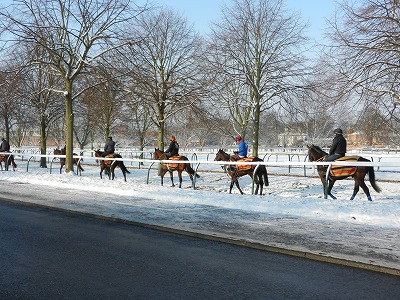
(292, 139)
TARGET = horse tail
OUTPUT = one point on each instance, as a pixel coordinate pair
(371, 175)
(265, 174)
(188, 167)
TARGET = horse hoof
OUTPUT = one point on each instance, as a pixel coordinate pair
(369, 198)
(352, 197)
(333, 197)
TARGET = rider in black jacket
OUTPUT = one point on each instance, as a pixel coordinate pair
(173, 147)
(5, 146)
(338, 148)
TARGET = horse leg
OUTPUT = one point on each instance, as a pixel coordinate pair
(180, 178)
(331, 183)
(366, 190)
(236, 182)
(171, 175)
(162, 176)
(123, 169)
(110, 172)
(260, 184)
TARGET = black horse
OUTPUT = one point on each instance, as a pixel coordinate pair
(110, 165)
(236, 171)
(358, 173)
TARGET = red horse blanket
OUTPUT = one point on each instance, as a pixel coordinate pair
(173, 165)
(244, 167)
(343, 171)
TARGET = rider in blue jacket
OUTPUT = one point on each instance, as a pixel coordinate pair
(242, 148)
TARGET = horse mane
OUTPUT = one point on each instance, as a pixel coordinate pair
(318, 149)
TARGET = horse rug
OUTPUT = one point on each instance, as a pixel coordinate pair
(244, 167)
(342, 171)
(108, 163)
(173, 166)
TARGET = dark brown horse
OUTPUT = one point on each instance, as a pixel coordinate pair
(236, 171)
(62, 160)
(110, 165)
(171, 167)
(358, 173)
(8, 160)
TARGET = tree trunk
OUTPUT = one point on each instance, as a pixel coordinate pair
(160, 140)
(69, 124)
(43, 141)
(256, 129)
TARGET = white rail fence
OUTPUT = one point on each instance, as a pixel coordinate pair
(394, 161)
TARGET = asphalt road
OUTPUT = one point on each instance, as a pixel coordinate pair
(49, 254)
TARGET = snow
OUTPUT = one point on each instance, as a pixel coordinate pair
(292, 214)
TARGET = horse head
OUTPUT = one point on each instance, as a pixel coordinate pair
(222, 156)
(158, 154)
(315, 152)
(97, 153)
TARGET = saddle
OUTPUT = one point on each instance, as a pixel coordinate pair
(244, 167)
(173, 165)
(108, 163)
(344, 171)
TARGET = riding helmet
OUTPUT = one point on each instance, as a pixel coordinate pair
(338, 131)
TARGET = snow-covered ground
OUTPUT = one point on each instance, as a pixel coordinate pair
(292, 213)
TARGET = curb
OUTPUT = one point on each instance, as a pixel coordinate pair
(216, 238)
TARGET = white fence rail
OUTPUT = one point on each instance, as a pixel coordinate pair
(393, 161)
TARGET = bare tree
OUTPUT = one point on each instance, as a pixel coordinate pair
(366, 44)
(165, 66)
(259, 45)
(37, 88)
(74, 34)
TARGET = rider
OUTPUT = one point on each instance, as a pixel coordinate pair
(173, 147)
(5, 146)
(242, 148)
(109, 147)
(338, 148)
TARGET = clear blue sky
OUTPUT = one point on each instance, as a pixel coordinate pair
(202, 12)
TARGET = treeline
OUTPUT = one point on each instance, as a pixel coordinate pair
(78, 71)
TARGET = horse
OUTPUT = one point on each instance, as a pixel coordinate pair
(236, 171)
(171, 167)
(110, 165)
(8, 160)
(315, 153)
(62, 160)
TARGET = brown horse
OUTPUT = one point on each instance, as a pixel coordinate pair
(171, 167)
(62, 160)
(358, 173)
(236, 171)
(8, 160)
(110, 165)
